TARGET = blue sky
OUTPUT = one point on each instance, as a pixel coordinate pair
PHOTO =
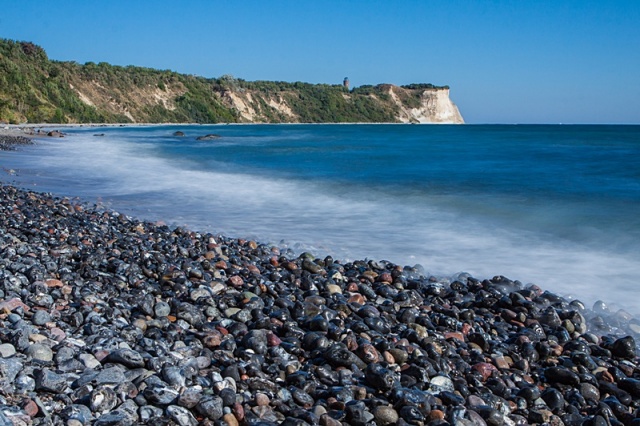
(506, 61)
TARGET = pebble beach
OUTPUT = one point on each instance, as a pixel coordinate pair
(109, 320)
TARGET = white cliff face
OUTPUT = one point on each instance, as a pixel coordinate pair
(414, 106)
(435, 108)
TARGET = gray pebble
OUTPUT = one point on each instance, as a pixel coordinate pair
(40, 317)
(7, 350)
(40, 352)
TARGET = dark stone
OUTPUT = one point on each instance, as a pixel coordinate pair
(624, 348)
(208, 137)
(126, 357)
(49, 381)
(561, 375)
(379, 377)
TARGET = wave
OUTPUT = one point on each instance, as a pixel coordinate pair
(345, 221)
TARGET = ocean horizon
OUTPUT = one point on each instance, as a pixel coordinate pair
(551, 205)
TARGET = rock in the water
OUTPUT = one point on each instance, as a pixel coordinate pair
(208, 137)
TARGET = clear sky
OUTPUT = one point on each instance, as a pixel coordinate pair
(513, 61)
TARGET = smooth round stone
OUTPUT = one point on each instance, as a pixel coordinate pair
(140, 324)
(161, 309)
(385, 415)
(562, 375)
(126, 357)
(230, 419)
(7, 350)
(624, 348)
(399, 356)
(334, 289)
(40, 352)
(589, 392)
(40, 317)
(13, 318)
(631, 385)
(37, 338)
(211, 407)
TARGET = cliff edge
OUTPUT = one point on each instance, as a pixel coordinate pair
(394, 104)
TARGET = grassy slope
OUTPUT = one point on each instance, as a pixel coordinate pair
(36, 89)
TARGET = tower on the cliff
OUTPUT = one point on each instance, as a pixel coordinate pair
(345, 83)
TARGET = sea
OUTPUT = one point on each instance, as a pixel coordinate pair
(553, 205)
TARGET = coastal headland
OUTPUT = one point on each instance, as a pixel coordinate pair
(105, 319)
(35, 89)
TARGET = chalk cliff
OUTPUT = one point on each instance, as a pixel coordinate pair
(435, 107)
(405, 105)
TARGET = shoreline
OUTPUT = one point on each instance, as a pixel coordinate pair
(133, 321)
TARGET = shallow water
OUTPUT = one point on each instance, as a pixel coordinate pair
(552, 205)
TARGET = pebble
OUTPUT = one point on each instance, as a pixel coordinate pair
(385, 415)
(39, 352)
(108, 320)
(7, 350)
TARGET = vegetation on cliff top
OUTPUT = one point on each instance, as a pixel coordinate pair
(36, 89)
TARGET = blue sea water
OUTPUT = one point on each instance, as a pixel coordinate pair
(558, 206)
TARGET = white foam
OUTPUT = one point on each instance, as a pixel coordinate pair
(337, 220)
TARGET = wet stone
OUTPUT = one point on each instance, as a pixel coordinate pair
(562, 375)
(624, 348)
(109, 320)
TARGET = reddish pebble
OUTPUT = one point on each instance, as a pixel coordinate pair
(273, 340)
(291, 266)
(385, 277)
(454, 335)
(238, 411)
(58, 334)
(212, 340)
(30, 407)
(436, 415)
(236, 280)
(357, 298)
(11, 304)
(253, 269)
(54, 283)
(262, 399)
(485, 369)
